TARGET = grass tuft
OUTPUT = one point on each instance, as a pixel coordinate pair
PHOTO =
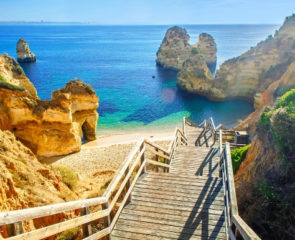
(69, 177)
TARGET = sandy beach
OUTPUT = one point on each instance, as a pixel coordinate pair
(98, 160)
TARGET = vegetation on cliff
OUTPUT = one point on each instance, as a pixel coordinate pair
(267, 200)
(238, 155)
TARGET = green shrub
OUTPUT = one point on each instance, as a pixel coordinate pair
(7, 85)
(238, 155)
(287, 100)
(264, 120)
(69, 177)
(70, 234)
(195, 51)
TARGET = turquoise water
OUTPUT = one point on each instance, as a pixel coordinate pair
(119, 62)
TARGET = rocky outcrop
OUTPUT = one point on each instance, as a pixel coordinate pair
(250, 74)
(194, 74)
(13, 77)
(175, 49)
(207, 47)
(48, 128)
(24, 55)
(25, 183)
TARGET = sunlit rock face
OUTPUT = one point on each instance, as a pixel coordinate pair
(24, 55)
(195, 74)
(48, 128)
(248, 75)
(175, 49)
(207, 47)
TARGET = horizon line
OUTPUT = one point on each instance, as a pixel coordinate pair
(127, 24)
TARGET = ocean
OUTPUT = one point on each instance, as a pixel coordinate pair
(119, 62)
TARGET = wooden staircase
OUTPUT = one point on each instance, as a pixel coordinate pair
(187, 203)
(193, 197)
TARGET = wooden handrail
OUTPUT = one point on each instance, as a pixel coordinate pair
(112, 186)
(122, 179)
(234, 223)
(38, 212)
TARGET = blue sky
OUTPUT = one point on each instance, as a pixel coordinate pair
(148, 11)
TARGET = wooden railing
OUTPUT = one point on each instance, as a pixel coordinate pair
(236, 227)
(101, 211)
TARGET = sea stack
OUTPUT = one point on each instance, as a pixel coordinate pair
(175, 49)
(24, 55)
(207, 47)
(195, 74)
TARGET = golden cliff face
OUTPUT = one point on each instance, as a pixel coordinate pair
(49, 128)
(25, 182)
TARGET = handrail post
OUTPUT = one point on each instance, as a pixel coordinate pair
(86, 228)
(107, 220)
(183, 125)
(142, 157)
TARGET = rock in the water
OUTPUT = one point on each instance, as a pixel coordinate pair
(24, 55)
(207, 47)
(48, 128)
(175, 49)
(195, 75)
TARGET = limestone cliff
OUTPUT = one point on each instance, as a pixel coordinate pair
(48, 128)
(24, 54)
(194, 73)
(248, 75)
(265, 180)
(207, 47)
(175, 49)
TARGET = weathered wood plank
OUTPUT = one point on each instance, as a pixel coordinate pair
(177, 205)
(140, 206)
(153, 162)
(166, 230)
(60, 227)
(112, 186)
(166, 214)
(38, 212)
(178, 222)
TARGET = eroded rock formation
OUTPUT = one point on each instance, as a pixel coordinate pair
(175, 49)
(207, 47)
(194, 73)
(48, 128)
(248, 75)
(24, 54)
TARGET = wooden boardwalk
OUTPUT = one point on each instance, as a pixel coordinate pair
(192, 201)
(187, 203)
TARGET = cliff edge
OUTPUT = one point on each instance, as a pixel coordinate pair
(48, 128)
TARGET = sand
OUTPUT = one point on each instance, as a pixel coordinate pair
(99, 160)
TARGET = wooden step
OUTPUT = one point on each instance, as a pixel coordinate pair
(166, 230)
(185, 212)
(177, 205)
(174, 221)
